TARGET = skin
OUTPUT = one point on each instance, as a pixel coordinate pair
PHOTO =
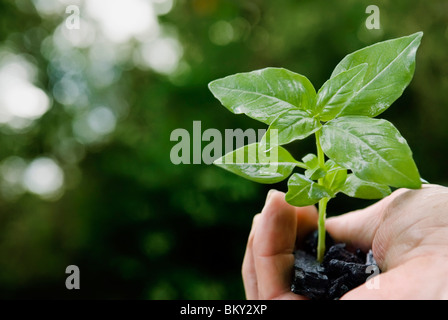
(407, 232)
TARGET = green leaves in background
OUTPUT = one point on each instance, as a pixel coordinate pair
(252, 163)
(264, 94)
(304, 192)
(373, 149)
(391, 66)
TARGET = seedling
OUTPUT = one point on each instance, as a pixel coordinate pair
(357, 155)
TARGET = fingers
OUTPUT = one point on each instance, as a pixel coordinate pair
(273, 248)
(248, 269)
(358, 228)
(268, 262)
(406, 282)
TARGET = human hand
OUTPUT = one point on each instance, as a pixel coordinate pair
(408, 234)
(269, 259)
(407, 231)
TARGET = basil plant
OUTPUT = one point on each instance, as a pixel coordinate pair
(356, 153)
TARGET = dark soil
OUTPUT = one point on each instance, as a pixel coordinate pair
(340, 272)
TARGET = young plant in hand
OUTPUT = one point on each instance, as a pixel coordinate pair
(356, 154)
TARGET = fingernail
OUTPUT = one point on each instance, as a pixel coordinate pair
(270, 192)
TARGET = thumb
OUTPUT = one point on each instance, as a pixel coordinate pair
(358, 228)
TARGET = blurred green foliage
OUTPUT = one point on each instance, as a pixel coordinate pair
(137, 226)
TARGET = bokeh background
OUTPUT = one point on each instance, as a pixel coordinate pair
(86, 116)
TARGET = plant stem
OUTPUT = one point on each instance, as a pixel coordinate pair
(301, 165)
(322, 205)
(320, 152)
(321, 229)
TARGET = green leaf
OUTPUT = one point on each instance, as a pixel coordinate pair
(311, 160)
(252, 163)
(357, 188)
(304, 192)
(336, 94)
(391, 66)
(314, 171)
(335, 176)
(293, 124)
(264, 94)
(373, 149)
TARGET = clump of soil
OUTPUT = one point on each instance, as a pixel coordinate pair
(341, 270)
